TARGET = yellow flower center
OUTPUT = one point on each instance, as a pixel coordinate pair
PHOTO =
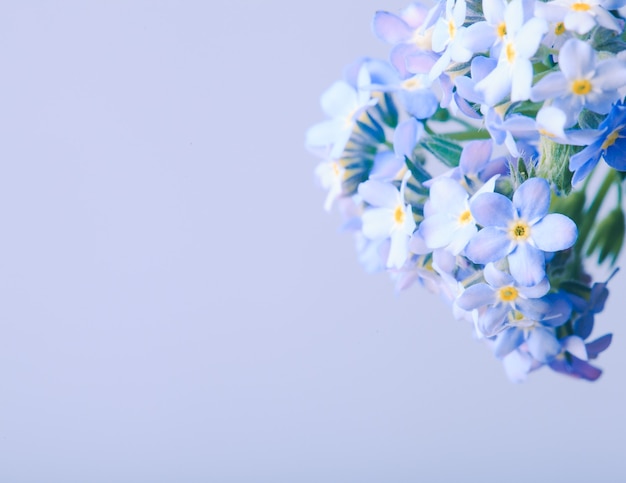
(581, 87)
(508, 293)
(423, 40)
(517, 316)
(519, 231)
(465, 217)
(451, 28)
(580, 6)
(510, 52)
(611, 138)
(545, 133)
(559, 29)
(399, 215)
(412, 84)
(501, 30)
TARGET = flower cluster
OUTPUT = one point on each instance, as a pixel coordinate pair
(468, 162)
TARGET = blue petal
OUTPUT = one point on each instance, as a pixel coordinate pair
(533, 309)
(594, 348)
(476, 296)
(527, 264)
(507, 341)
(615, 156)
(599, 294)
(543, 345)
(582, 172)
(492, 209)
(585, 370)
(421, 103)
(559, 312)
(532, 199)
(583, 326)
(575, 346)
(438, 230)
(405, 137)
(497, 278)
(390, 28)
(493, 319)
(489, 245)
(475, 156)
(386, 166)
(554, 232)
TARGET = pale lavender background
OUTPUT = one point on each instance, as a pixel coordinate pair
(176, 306)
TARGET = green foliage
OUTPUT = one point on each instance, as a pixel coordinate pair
(572, 205)
(448, 152)
(608, 236)
(554, 163)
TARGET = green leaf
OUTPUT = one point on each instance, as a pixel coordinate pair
(572, 206)
(608, 41)
(589, 120)
(372, 129)
(388, 111)
(608, 237)
(443, 149)
(417, 170)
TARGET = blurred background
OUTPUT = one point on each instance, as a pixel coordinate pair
(175, 305)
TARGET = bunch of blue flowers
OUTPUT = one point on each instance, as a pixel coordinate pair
(469, 162)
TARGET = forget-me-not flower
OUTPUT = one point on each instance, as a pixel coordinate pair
(610, 145)
(582, 82)
(521, 230)
(389, 217)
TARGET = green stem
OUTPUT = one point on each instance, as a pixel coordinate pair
(467, 135)
(592, 212)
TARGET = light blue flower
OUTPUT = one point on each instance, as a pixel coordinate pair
(343, 104)
(580, 368)
(502, 297)
(388, 165)
(581, 16)
(389, 217)
(476, 165)
(581, 82)
(514, 72)
(407, 32)
(610, 145)
(536, 332)
(449, 222)
(521, 230)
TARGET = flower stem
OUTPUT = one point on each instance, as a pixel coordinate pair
(467, 135)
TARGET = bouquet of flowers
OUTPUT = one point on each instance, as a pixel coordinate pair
(484, 160)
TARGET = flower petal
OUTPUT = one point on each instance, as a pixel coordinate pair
(378, 193)
(507, 341)
(438, 230)
(490, 322)
(532, 199)
(489, 245)
(476, 296)
(543, 344)
(527, 264)
(577, 58)
(554, 232)
(497, 278)
(492, 209)
(391, 28)
(378, 223)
